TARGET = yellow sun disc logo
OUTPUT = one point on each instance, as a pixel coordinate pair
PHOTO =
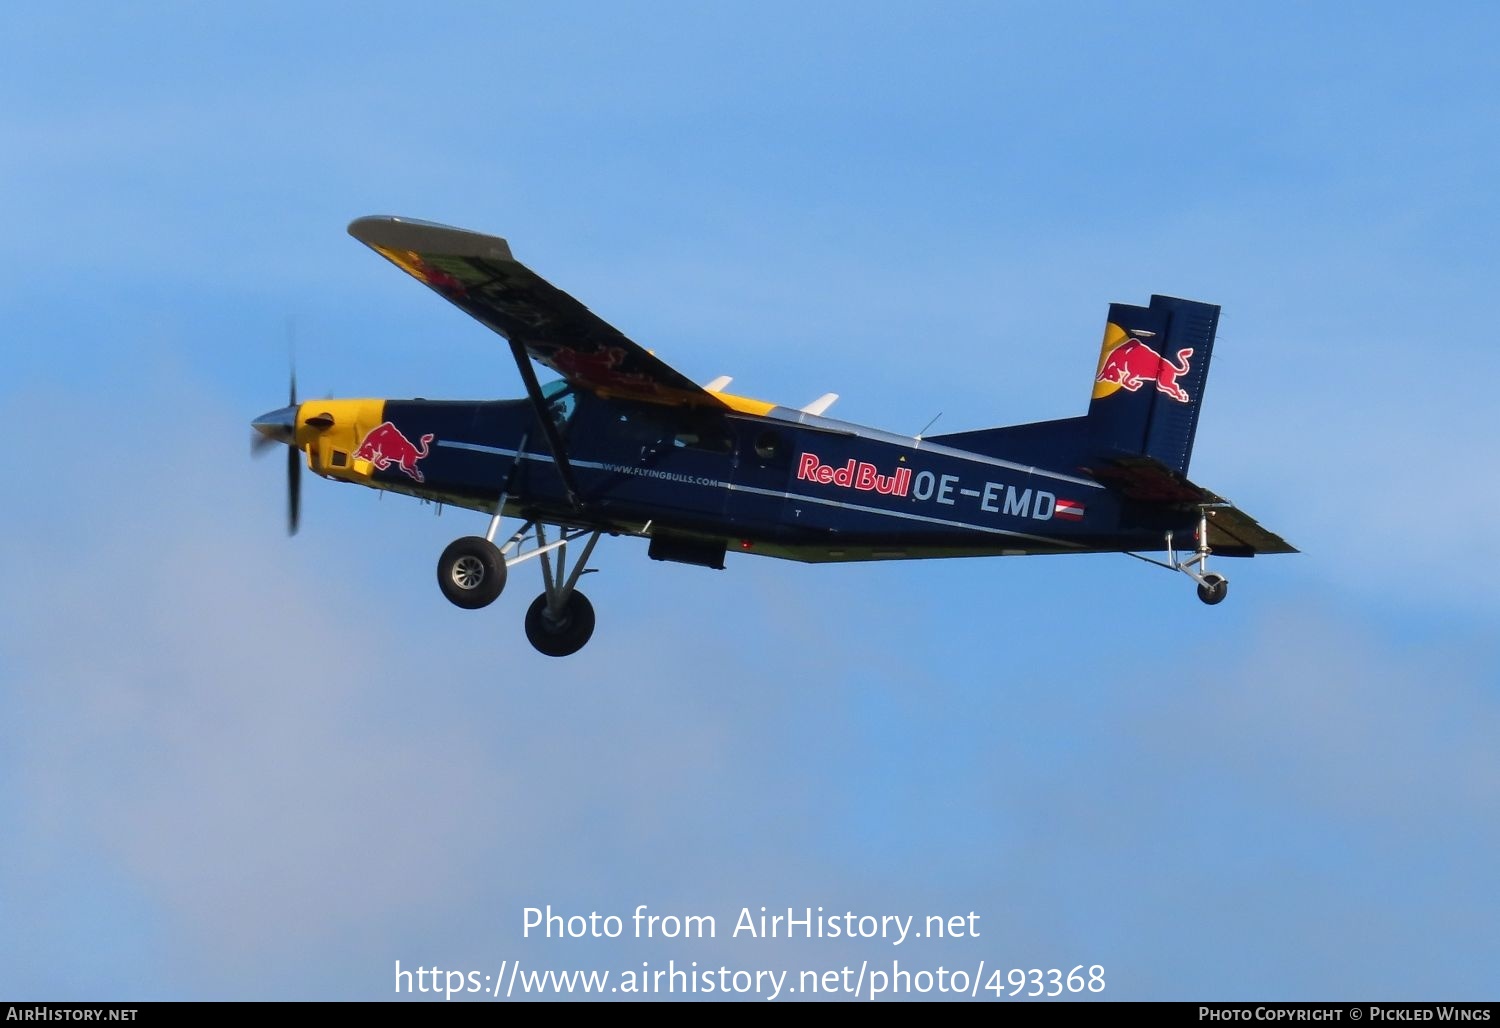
(1114, 335)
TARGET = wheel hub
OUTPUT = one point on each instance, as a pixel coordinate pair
(468, 572)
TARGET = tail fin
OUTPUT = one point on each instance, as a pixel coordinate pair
(1148, 387)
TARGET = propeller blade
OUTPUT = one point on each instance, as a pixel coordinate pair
(293, 489)
(293, 457)
(280, 426)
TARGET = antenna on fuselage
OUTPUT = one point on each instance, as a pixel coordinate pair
(928, 425)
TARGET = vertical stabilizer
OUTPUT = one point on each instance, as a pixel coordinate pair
(1148, 386)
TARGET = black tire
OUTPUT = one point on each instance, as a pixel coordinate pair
(471, 572)
(1213, 589)
(563, 637)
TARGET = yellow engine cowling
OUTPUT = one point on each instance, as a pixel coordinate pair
(330, 431)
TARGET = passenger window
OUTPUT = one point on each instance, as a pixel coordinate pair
(714, 440)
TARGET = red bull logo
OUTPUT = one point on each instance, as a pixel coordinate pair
(601, 367)
(853, 475)
(422, 270)
(1128, 363)
(385, 445)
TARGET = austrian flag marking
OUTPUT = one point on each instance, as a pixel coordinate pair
(1070, 510)
(854, 475)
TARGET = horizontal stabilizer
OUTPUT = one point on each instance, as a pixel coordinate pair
(1147, 480)
(1232, 532)
(1249, 538)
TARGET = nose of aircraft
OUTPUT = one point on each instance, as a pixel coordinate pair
(278, 425)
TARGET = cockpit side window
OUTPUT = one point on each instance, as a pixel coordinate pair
(561, 402)
(713, 438)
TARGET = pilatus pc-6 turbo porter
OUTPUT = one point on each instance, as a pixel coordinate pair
(623, 444)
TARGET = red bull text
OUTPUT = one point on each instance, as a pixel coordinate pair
(854, 475)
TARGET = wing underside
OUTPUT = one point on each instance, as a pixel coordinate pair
(478, 274)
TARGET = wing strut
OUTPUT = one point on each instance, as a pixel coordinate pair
(554, 441)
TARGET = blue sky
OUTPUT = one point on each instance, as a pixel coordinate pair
(237, 766)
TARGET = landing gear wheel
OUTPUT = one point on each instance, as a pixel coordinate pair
(471, 572)
(567, 634)
(1213, 589)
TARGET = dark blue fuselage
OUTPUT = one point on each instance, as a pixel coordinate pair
(787, 484)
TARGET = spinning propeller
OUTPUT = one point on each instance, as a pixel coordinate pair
(280, 426)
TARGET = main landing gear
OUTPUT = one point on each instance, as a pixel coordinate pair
(472, 573)
(1212, 588)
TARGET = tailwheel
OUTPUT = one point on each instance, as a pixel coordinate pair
(471, 572)
(560, 633)
(1213, 588)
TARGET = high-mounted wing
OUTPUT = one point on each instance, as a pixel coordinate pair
(478, 274)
